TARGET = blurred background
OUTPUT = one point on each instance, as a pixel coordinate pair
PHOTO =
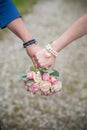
(46, 20)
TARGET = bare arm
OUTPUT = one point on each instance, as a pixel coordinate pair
(18, 27)
(77, 30)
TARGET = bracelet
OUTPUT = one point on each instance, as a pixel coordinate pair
(51, 50)
(33, 41)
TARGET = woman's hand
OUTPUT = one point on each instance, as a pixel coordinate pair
(45, 59)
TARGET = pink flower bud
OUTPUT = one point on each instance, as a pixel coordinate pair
(53, 80)
(31, 75)
(46, 77)
(34, 87)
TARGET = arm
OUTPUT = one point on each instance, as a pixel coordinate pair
(18, 27)
(11, 18)
(77, 30)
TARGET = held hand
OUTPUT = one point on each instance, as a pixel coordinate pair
(31, 51)
(45, 59)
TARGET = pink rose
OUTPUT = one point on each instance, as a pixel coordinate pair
(31, 75)
(34, 87)
(46, 77)
(53, 80)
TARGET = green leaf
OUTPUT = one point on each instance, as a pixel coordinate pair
(25, 79)
(51, 72)
(55, 73)
(22, 74)
(32, 68)
(30, 80)
(42, 71)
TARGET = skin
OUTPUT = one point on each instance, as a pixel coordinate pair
(75, 31)
(18, 27)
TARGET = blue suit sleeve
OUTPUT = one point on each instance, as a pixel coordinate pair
(8, 12)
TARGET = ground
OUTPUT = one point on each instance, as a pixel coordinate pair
(66, 110)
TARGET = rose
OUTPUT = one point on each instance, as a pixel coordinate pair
(35, 87)
(27, 85)
(41, 81)
(37, 77)
(56, 87)
(31, 75)
(53, 80)
(46, 77)
(45, 86)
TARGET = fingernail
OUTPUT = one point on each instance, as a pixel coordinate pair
(36, 66)
(48, 54)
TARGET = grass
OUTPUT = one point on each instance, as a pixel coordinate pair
(85, 85)
(24, 7)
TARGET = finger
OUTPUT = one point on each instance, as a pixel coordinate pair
(35, 63)
(50, 66)
(42, 65)
(47, 55)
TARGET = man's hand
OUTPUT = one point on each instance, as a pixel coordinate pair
(31, 51)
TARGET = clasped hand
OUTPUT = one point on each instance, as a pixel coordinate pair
(45, 59)
(40, 57)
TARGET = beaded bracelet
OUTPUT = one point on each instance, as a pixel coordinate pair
(33, 41)
(51, 50)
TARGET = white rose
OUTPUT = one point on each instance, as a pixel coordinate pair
(45, 86)
(37, 77)
(56, 87)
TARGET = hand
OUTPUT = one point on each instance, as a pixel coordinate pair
(45, 59)
(31, 51)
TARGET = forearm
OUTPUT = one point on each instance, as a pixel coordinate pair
(18, 27)
(78, 29)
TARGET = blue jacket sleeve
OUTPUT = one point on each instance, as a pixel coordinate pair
(8, 12)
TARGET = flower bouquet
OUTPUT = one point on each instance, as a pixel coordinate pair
(42, 81)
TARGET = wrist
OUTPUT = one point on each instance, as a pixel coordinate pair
(62, 42)
(55, 46)
(51, 50)
(29, 43)
(59, 44)
(26, 38)
(31, 46)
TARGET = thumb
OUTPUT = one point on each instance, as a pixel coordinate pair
(47, 54)
(35, 63)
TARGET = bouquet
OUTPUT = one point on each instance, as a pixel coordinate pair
(43, 81)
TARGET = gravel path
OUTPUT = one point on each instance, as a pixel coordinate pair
(66, 110)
